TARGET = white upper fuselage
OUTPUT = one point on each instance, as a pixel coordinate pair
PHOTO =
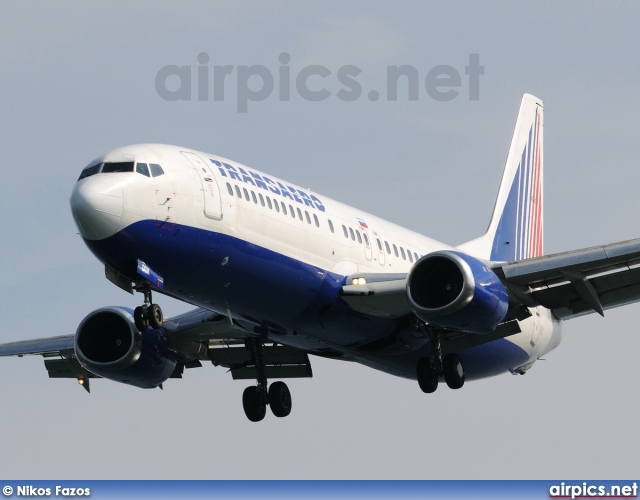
(178, 197)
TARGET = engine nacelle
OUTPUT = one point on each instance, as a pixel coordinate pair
(453, 290)
(109, 345)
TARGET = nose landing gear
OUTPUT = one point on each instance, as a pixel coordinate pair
(148, 314)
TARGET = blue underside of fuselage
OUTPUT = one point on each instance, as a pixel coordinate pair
(294, 303)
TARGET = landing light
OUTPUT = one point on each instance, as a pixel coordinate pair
(81, 381)
(358, 281)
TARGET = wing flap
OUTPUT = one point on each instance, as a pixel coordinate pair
(613, 290)
(66, 368)
(280, 362)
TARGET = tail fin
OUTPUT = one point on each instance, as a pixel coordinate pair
(515, 230)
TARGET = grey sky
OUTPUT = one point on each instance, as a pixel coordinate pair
(77, 79)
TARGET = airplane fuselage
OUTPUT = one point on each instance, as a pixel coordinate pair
(271, 256)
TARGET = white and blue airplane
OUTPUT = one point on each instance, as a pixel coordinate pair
(278, 272)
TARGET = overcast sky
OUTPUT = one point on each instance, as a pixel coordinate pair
(79, 78)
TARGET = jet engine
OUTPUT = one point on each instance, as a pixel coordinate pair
(109, 345)
(456, 291)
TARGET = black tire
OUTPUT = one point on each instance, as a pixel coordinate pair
(253, 408)
(453, 371)
(279, 399)
(427, 376)
(156, 318)
(142, 323)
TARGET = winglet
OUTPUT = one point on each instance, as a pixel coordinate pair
(516, 228)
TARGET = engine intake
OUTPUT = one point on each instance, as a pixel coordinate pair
(456, 291)
(105, 339)
(109, 345)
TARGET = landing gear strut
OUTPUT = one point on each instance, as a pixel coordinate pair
(147, 314)
(256, 398)
(429, 369)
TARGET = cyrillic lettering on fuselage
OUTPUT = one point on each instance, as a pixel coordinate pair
(263, 182)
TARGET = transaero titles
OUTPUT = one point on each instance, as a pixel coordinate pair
(263, 182)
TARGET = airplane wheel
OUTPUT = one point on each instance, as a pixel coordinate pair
(253, 408)
(139, 319)
(427, 376)
(156, 318)
(453, 371)
(279, 399)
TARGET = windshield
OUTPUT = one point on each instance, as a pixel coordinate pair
(121, 166)
(90, 170)
(148, 170)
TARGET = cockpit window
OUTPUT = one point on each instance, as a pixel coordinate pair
(156, 170)
(142, 168)
(90, 170)
(121, 166)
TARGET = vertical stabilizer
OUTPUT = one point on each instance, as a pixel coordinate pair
(515, 230)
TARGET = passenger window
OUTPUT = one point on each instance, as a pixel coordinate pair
(246, 194)
(253, 196)
(292, 212)
(404, 257)
(284, 208)
(330, 225)
(366, 239)
(386, 245)
(238, 192)
(344, 229)
(416, 256)
(300, 214)
(315, 219)
(410, 256)
(230, 189)
(269, 203)
(156, 170)
(353, 236)
(379, 244)
(307, 216)
(395, 250)
(276, 206)
(261, 199)
(359, 237)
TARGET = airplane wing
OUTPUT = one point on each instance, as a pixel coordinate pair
(58, 353)
(52, 346)
(198, 335)
(579, 282)
(569, 283)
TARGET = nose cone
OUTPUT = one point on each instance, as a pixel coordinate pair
(97, 205)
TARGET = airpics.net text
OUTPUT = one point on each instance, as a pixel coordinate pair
(312, 83)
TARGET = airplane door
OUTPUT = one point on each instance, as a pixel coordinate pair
(211, 193)
(367, 244)
(380, 250)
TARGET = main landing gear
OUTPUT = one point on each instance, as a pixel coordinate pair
(148, 314)
(429, 369)
(256, 398)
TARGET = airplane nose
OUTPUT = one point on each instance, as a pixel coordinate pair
(97, 205)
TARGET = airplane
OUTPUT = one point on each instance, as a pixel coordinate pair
(277, 273)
